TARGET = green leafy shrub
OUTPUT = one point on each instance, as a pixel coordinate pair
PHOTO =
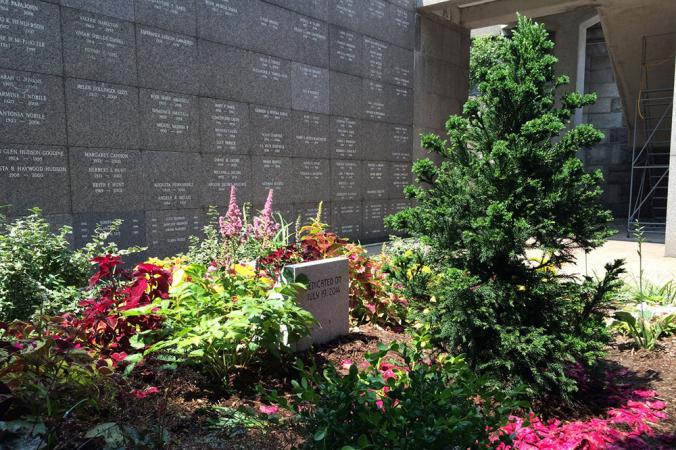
(40, 272)
(510, 183)
(406, 398)
(410, 270)
(224, 319)
(38, 268)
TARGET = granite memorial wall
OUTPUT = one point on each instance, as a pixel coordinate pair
(149, 110)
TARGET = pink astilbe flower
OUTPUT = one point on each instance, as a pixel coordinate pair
(231, 224)
(264, 226)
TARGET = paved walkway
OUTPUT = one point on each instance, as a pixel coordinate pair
(656, 267)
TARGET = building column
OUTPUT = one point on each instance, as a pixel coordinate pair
(670, 233)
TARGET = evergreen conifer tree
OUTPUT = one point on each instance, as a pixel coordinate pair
(510, 184)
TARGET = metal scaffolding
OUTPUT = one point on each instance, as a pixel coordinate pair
(652, 136)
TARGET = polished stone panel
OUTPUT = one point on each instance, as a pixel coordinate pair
(221, 171)
(310, 134)
(169, 121)
(30, 36)
(32, 108)
(122, 9)
(168, 232)
(173, 15)
(271, 131)
(376, 177)
(166, 60)
(374, 216)
(318, 9)
(311, 179)
(34, 175)
(106, 180)
(223, 71)
(131, 233)
(345, 50)
(347, 219)
(311, 41)
(400, 177)
(346, 95)
(269, 80)
(270, 172)
(309, 88)
(224, 126)
(102, 114)
(172, 180)
(347, 180)
(98, 47)
(347, 138)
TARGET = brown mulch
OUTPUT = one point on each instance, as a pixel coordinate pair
(652, 369)
(185, 406)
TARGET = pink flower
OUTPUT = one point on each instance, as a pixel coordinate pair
(346, 363)
(268, 409)
(145, 393)
(231, 224)
(264, 226)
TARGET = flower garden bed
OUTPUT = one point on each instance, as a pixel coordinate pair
(459, 339)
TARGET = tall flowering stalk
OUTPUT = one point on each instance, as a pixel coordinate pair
(231, 224)
(264, 226)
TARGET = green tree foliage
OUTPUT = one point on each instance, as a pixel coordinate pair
(509, 184)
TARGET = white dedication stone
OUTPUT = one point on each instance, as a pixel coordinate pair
(326, 297)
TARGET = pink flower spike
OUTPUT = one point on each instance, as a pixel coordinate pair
(264, 225)
(231, 224)
(268, 409)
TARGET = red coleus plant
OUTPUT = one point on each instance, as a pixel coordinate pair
(100, 324)
(628, 424)
(369, 299)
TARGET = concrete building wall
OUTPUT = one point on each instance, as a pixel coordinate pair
(441, 78)
(613, 155)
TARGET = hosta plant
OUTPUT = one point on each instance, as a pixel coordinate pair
(645, 324)
(223, 319)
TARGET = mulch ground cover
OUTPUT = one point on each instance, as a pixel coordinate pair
(197, 414)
